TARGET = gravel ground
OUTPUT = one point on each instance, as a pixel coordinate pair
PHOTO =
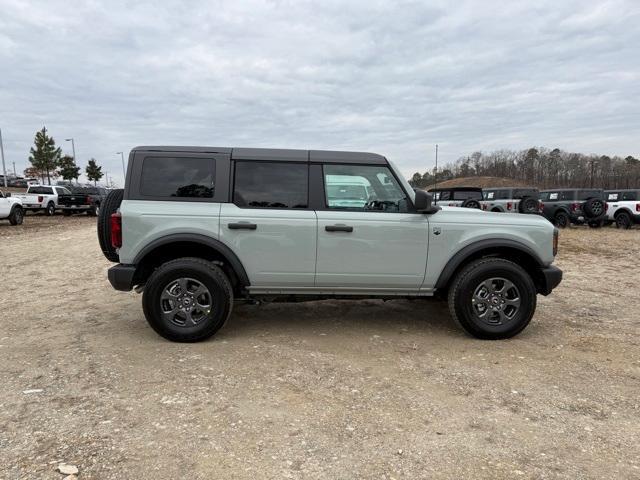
(329, 389)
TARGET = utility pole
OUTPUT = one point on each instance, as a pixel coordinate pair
(435, 172)
(124, 170)
(4, 169)
(73, 149)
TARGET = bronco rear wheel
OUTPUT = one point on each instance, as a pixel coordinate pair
(623, 220)
(562, 220)
(187, 299)
(492, 298)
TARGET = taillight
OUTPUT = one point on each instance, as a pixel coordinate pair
(555, 241)
(540, 207)
(575, 207)
(40, 199)
(87, 200)
(116, 230)
(484, 206)
(637, 207)
(509, 205)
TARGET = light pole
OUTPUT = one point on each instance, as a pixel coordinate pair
(124, 170)
(4, 169)
(73, 148)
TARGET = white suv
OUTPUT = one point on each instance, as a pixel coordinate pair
(197, 228)
(623, 207)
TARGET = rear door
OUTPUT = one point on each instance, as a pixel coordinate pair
(269, 224)
(380, 244)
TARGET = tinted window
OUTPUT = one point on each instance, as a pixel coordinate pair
(464, 195)
(629, 196)
(271, 184)
(181, 177)
(62, 191)
(41, 190)
(519, 193)
(612, 196)
(363, 187)
(584, 194)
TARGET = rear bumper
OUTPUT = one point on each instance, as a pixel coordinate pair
(551, 278)
(121, 277)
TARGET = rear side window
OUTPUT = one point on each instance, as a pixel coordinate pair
(520, 193)
(181, 177)
(550, 196)
(612, 196)
(260, 184)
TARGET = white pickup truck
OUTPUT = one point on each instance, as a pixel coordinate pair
(43, 197)
(11, 209)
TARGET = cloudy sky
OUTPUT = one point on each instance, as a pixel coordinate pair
(394, 77)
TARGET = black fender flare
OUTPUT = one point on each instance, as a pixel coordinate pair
(228, 254)
(623, 210)
(467, 252)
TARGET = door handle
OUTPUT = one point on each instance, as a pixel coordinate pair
(338, 228)
(242, 226)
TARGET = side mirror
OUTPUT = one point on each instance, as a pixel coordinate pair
(423, 202)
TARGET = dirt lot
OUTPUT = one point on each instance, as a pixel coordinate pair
(318, 390)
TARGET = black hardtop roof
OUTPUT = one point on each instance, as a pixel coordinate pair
(455, 189)
(622, 190)
(280, 154)
(509, 188)
(570, 189)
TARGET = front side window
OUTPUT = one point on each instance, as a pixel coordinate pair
(629, 196)
(178, 177)
(364, 188)
(260, 184)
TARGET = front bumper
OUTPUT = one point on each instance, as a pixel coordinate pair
(121, 277)
(551, 278)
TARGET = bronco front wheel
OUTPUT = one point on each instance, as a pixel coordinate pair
(492, 298)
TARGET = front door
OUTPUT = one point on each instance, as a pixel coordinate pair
(367, 237)
(269, 225)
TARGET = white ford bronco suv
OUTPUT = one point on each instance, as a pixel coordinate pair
(197, 228)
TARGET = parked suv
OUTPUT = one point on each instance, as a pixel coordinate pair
(574, 205)
(623, 207)
(197, 228)
(467, 197)
(511, 200)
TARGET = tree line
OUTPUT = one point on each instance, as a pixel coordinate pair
(47, 162)
(542, 168)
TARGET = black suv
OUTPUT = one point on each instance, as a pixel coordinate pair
(468, 197)
(574, 205)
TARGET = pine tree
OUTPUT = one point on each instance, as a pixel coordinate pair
(44, 154)
(68, 169)
(94, 171)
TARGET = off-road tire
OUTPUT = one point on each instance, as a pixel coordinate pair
(528, 205)
(561, 220)
(109, 206)
(465, 283)
(17, 215)
(471, 203)
(594, 208)
(211, 276)
(50, 209)
(623, 221)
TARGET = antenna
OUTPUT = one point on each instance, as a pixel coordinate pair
(435, 176)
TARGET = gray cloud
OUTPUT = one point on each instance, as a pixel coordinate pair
(391, 77)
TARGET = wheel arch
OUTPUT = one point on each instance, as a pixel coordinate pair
(623, 210)
(500, 248)
(175, 246)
